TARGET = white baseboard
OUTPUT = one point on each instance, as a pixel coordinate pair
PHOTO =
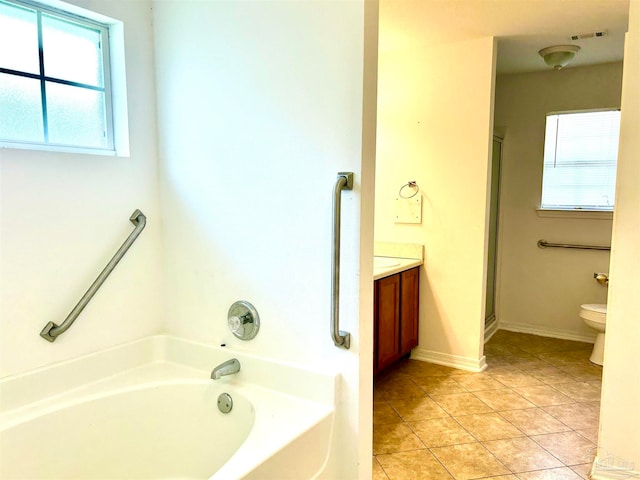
(454, 361)
(612, 468)
(490, 330)
(545, 331)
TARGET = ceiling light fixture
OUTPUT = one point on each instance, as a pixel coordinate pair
(558, 56)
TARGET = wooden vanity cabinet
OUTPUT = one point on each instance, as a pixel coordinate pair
(395, 317)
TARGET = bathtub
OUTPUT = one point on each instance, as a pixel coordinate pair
(148, 410)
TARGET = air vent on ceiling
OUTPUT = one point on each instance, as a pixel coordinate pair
(588, 35)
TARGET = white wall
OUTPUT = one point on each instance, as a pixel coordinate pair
(63, 216)
(541, 290)
(434, 127)
(260, 105)
(619, 437)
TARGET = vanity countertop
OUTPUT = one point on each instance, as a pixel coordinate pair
(386, 266)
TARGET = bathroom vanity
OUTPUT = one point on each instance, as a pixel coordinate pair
(396, 298)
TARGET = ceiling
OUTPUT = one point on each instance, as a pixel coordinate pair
(522, 27)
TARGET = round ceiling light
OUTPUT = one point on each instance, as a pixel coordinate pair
(558, 56)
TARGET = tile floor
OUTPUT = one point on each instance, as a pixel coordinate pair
(532, 415)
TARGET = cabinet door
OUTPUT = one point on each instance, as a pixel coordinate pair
(409, 300)
(387, 313)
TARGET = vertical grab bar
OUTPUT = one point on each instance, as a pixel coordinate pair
(340, 338)
(51, 331)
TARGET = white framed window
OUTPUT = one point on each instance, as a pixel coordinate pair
(580, 160)
(55, 79)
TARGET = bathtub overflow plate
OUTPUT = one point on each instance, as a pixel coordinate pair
(225, 403)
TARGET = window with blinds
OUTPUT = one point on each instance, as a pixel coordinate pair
(580, 158)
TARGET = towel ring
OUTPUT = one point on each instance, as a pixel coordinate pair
(409, 184)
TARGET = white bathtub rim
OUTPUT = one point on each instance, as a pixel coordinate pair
(61, 377)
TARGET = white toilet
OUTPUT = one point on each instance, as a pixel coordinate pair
(595, 316)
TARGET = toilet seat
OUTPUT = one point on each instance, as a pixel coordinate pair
(596, 312)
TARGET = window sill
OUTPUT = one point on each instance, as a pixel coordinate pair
(58, 148)
(582, 214)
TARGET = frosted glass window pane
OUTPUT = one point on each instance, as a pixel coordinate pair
(20, 95)
(76, 116)
(18, 39)
(71, 52)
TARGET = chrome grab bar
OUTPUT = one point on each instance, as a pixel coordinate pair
(340, 338)
(51, 330)
(545, 244)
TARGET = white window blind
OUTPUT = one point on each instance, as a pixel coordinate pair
(580, 158)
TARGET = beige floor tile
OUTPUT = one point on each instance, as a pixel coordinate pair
(551, 375)
(516, 379)
(415, 409)
(497, 367)
(594, 405)
(534, 421)
(590, 434)
(501, 477)
(418, 368)
(538, 345)
(488, 426)
(527, 360)
(522, 454)
(578, 416)
(545, 370)
(501, 349)
(439, 432)
(562, 473)
(582, 470)
(390, 374)
(395, 437)
(566, 358)
(468, 461)
(378, 396)
(439, 385)
(414, 465)
(378, 472)
(401, 386)
(570, 447)
(461, 404)
(543, 395)
(504, 399)
(383, 413)
(507, 337)
(478, 382)
(513, 338)
(580, 391)
(498, 361)
(456, 371)
(583, 372)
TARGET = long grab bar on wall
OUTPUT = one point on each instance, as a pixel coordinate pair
(340, 338)
(545, 244)
(51, 330)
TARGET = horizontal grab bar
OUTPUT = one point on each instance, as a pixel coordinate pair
(545, 244)
(51, 330)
